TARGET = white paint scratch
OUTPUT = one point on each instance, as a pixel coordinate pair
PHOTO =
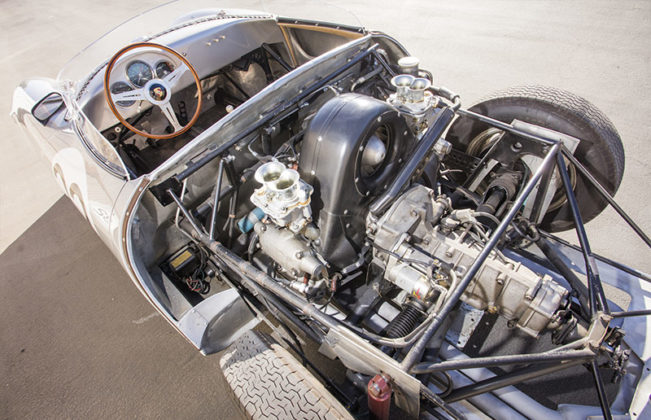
(145, 318)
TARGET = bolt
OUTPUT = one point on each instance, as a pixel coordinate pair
(299, 255)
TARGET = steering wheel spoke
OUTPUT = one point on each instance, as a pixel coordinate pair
(169, 113)
(131, 95)
(175, 76)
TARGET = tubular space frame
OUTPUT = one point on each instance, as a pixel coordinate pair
(597, 307)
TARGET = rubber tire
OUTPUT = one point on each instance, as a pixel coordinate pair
(269, 382)
(600, 151)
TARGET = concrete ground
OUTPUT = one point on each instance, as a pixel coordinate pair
(78, 340)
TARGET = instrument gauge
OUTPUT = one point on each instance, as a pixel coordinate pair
(163, 68)
(121, 87)
(139, 73)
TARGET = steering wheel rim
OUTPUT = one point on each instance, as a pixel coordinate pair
(145, 94)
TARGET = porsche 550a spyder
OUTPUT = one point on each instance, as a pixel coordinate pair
(246, 167)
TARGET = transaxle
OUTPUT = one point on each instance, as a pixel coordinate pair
(420, 237)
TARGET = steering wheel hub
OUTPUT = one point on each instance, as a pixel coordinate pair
(157, 92)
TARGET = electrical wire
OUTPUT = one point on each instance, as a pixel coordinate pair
(401, 258)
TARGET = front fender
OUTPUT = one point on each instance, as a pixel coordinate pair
(217, 322)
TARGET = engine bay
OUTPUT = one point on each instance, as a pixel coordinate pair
(343, 206)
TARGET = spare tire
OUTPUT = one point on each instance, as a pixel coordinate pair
(600, 150)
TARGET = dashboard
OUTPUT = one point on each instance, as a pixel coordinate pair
(195, 42)
(133, 72)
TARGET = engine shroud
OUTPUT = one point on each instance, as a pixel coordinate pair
(334, 162)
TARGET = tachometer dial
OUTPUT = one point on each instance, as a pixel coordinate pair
(139, 73)
(163, 68)
(121, 87)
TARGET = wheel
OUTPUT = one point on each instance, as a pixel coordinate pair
(156, 89)
(600, 149)
(269, 382)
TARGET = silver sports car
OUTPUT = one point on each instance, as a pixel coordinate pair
(247, 167)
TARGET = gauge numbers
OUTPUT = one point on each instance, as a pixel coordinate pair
(163, 68)
(121, 87)
(139, 73)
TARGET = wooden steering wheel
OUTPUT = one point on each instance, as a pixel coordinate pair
(157, 91)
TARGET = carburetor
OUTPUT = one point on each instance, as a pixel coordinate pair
(412, 96)
(285, 229)
(283, 197)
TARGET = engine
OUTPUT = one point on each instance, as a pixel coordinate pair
(313, 221)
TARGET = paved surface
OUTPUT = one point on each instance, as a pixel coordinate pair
(78, 340)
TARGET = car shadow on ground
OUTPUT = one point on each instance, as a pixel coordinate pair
(78, 340)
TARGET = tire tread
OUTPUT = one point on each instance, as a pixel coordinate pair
(269, 382)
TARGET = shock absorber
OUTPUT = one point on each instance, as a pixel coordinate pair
(405, 321)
